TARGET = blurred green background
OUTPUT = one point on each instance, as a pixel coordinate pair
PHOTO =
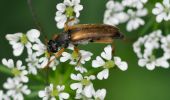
(134, 84)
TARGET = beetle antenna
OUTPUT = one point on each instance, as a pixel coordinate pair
(34, 16)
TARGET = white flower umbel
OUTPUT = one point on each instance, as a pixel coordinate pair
(16, 89)
(83, 85)
(162, 11)
(100, 94)
(114, 14)
(135, 20)
(51, 93)
(67, 10)
(145, 48)
(3, 96)
(134, 3)
(18, 70)
(106, 62)
(19, 40)
(74, 57)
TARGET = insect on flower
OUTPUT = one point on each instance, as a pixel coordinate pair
(82, 33)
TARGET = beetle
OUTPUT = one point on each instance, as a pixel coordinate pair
(83, 33)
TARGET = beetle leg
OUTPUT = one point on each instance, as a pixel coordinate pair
(66, 24)
(76, 50)
(58, 54)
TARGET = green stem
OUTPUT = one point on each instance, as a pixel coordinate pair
(147, 26)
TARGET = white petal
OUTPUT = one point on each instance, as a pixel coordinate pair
(107, 54)
(18, 49)
(33, 35)
(100, 94)
(77, 77)
(61, 7)
(65, 56)
(77, 86)
(64, 95)
(98, 62)
(41, 94)
(103, 74)
(88, 91)
(13, 37)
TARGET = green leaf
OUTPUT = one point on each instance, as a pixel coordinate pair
(5, 70)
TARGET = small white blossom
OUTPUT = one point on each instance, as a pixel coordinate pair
(67, 10)
(162, 11)
(83, 84)
(16, 89)
(106, 62)
(19, 40)
(51, 92)
(151, 44)
(32, 63)
(114, 14)
(135, 20)
(134, 3)
(3, 96)
(74, 57)
(39, 48)
(18, 70)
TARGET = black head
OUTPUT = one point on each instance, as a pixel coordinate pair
(52, 46)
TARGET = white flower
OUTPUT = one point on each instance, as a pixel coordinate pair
(84, 84)
(3, 96)
(100, 94)
(67, 10)
(52, 61)
(16, 90)
(135, 20)
(51, 92)
(134, 3)
(32, 63)
(39, 48)
(147, 56)
(74, 57)
(106, 62)
(114, 14)
(19, 40)
(162, 11)
(81, 69)
(18, 70)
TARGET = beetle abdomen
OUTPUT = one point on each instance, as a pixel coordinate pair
(94, 32)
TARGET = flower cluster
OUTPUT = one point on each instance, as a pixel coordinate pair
(51, 92)
(66, 11)
(148, 50)
(162, 11)
(130, 11)
(16, 86)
